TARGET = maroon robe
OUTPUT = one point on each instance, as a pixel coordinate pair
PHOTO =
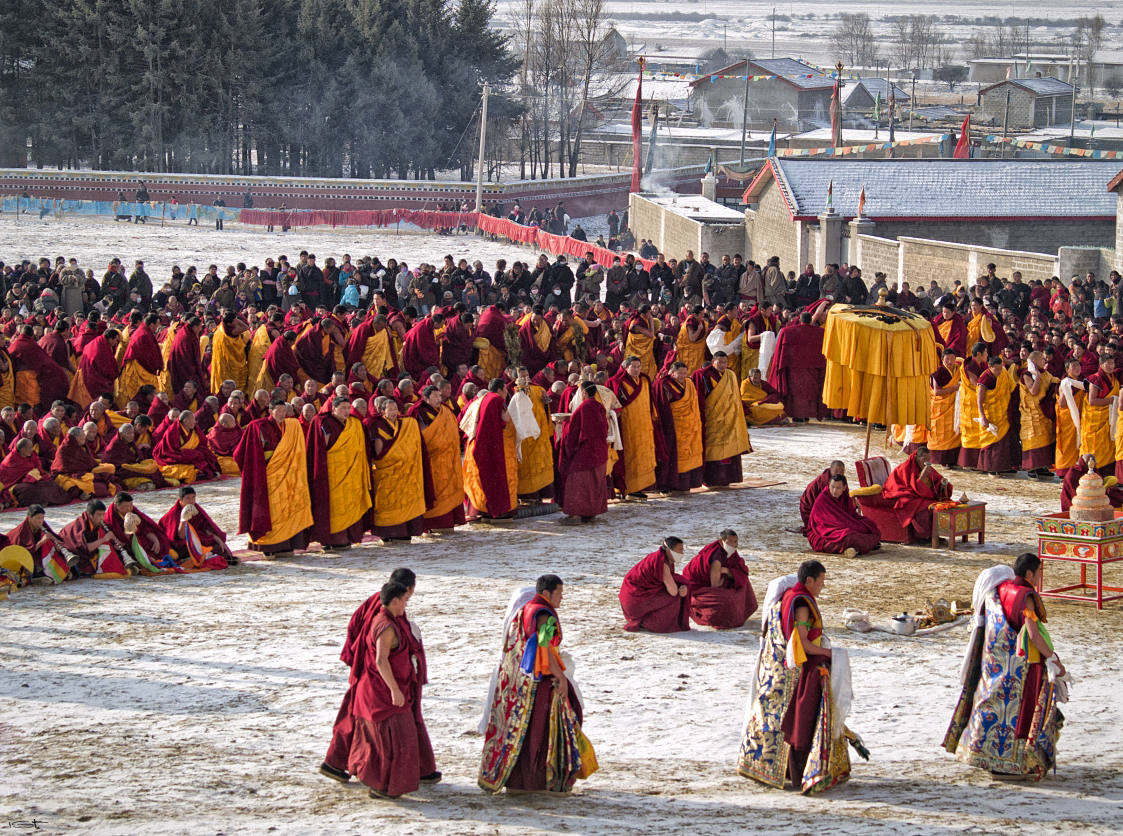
(357, 343)
(425, 415)
(169, 450)
(57, 348)
(797, 370)
(144, 349)
(23, 488)
(479, 382)
(378, 427)
(75, 538)
(185, 362)
(98, 367)
(205, 419)
(210, 535)
(726, 471)
(492, 326)
(324, 431)
(75, 460)
(456, 347)
(835, 526)
(242, 417)
(491, 457)
(420, 351)
(27, 355)
(913, 497)
(626, 389)
(309, 352)
(811, 493)
(647, 604)
(1014, 596)
(120, 453)
(583, 461)
(222, 440)
(181, 402)
(280, 360)
(957, 336)
(801, 717)
(254, 517)
(389, 750)
(724, 607)
(530, 355)
(116, 523)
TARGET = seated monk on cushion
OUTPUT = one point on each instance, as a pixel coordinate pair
(761, 401)
(138, 472)
(914, 486)
(197, 540)
(52, 559)
(721, 595)
(24, 480)
(812, 491)
(1084, 464)
(141, 535)
(182, 454)
(653, 596)
(78, 472)
(222, 439)
(100, 554)
(835, 527)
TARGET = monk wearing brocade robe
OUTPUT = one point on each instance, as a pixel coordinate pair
(339, 470)
(398, 486)
(914, 486)
(793, 731)
(835, 527)
(943, 435)
(491, 469)
(724, 434)
(1007, 720)
(761, 402)
(653, 596)
(533, 716)
(680, 419)
(634, 472)
(721, 594)
(275, 501)
(444, 467)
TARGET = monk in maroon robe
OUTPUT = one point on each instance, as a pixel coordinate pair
(1083, 465)
(475, 377)
(456, 345)
(420, 350)
(668, 390)
(583, 460)
(323, 433)
(653, 596)
(952, 324)
(389, 750)
(74, 460)
(187, 398)
(817, 486)
(721, 594)
(357, 341)
(35, 535)
(835, 527)
(27, 356)
(280, 360)
(310, 353)
(185, 358)
(492, 326)
(210, 535)
(122, 452)
(97, 369)
(914, 486)
(171, 449)
(221, 440)
(144, 350)
(57, 346)
(797, 370)
(88, 331)
(532, 354)
(85, 538)
(25, 480)
(149, 534)
(488, 453)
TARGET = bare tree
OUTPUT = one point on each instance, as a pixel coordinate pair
(857, 44)
(1087, 40)
(917, 40)
(593, 57)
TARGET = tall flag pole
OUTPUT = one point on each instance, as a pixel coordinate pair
(772, 140)
(637, 132)
(836, 109)
(963, 147)
(892, 108)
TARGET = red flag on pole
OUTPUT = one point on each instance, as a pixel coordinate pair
(637, 131)
(963, 147)
(836, 111)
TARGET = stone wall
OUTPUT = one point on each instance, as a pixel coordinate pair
(1036, 236)
(674, 234)
(1077, 261)
(772, 232)
(876, 255)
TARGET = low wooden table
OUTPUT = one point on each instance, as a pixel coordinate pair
(1090, 545)
(959, 522)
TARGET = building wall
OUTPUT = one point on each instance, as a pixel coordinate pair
(768, 100)
(1021, 113)
(1119, 230)
(945, 262)
(772, 232)
(674, 234)
(877, 255)
(1077, 261)
(1040, 236)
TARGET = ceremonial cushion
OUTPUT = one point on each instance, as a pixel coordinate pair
(872, 471)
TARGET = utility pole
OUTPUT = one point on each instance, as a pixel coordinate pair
(912, 101)
(773, 31)
(745, 115)
(1072, 113)
(483, 141)
(1005, 118)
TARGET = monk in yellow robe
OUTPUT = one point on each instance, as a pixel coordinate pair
(141, 361)
(535, 453)
(1095, 419)
(338, 476)
(263, 337)
(1070, 405)
(397, 476)
(690, 344)
(491, 468)
(724, 433)
(943, 435)
(984, 328)
(761, 402)
(970, 430)
(634, 472)
(676, 400)
(444, 467)
(1037, 391)
(995, 388)
(728, 337)
(571, 335)
(370, 344)
(228, 352)
(641, 329)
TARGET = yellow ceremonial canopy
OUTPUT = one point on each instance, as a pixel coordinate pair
(879, 360)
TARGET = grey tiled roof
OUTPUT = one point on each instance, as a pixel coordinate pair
(930, 188)
(878, 85)
(1044, 86)
(791, 67)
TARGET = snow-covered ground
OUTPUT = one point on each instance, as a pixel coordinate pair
(203, 704)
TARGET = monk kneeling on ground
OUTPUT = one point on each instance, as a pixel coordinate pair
(721, 594)
(835, 527)
(653, 596)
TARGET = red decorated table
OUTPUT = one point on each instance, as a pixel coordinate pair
(1090, 545)
(959, 521)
